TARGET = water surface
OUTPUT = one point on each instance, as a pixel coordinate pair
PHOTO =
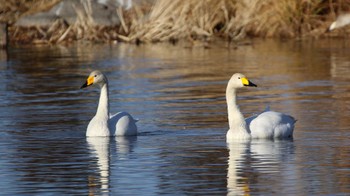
(178, 94)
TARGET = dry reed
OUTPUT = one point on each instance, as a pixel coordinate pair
(172, 20)
(11, 10)
(232, 19)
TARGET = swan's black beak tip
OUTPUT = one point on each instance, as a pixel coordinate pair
(251, 84)
(84, 85)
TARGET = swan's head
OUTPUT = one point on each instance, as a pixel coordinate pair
(95, 77)
(238, 80)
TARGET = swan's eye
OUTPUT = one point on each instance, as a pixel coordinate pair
(239, 78)
(95, 76)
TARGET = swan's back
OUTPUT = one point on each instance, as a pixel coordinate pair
(271, 124)
(122, 124)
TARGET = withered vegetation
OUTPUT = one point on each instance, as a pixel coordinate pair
(173, 20)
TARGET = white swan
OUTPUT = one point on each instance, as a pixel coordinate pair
(268, 124)
(341, 21)
(102, 124)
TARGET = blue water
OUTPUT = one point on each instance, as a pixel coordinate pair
(178, 95)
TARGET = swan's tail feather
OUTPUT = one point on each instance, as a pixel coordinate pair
(293, 119)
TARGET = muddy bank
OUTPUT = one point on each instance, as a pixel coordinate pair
(137, 21)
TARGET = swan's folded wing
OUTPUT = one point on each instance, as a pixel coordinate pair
(272, 125)
(249, 119)
(122, 124)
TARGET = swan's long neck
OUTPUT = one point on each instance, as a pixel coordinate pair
(103, 104)
(235, 117)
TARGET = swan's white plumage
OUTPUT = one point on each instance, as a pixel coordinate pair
(104, 124)
(272, 124)
(268, 124)
(123, 124)
(341, 21)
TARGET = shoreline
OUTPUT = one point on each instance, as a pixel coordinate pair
(172, 21)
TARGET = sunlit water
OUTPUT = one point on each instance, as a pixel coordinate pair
(178, 95)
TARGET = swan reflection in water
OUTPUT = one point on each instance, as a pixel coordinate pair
(100, 149)
(263, 162)
(124, 146)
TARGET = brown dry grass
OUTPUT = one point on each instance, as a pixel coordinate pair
(11, 10)
(232, 19)
(194, 19)
(83, 29)
(288, 18)
(172, 20)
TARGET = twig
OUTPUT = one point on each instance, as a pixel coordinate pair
(64, 35)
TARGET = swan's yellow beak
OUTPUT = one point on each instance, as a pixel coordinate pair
(88, 82)
(246, 82)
